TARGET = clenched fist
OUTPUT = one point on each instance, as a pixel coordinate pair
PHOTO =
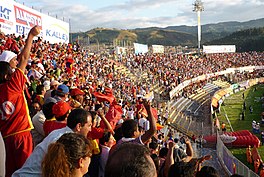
(35, 31)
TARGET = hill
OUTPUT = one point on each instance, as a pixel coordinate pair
(169, 36)
(246, 40)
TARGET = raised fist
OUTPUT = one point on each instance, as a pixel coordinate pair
(35, 31)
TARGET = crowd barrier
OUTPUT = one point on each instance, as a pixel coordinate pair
(230, 163)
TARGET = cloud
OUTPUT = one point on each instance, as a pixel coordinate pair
(146, 13)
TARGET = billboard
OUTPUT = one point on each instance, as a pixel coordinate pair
(157, 48)
(18, 19)
(7, 16)
(219, 49)
(140, 48)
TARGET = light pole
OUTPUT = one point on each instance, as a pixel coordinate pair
(198, 7)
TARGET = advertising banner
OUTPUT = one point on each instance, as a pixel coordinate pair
(25, 19)
(219, 49)
(157, 48)
(18, 19)
(7, 16)
(140, 48)
(55, 30)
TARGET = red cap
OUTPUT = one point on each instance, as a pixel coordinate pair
(76, 91)
(60, 108)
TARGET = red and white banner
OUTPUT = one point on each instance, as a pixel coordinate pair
(18, 19)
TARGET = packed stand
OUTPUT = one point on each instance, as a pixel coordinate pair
(56, 96)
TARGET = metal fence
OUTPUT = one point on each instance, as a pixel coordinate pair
(230, 163)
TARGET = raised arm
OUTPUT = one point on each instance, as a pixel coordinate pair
(108, 126)
(189, 150)
(24, 55)
(152, 122)
(169, 159)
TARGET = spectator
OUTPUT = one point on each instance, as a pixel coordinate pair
(207, 171)
(249, 155)
(40, 92)
(9, 57)
(77, 98)
(223, 126)
(79, 121)
(62, 93)
(131, 132)
(130, 160)
(61, 111)
(106, 143)
(15, 125)
(2, 156)
(262, 138)
(178, 152)
(39, 119)
(69, 156)
(53, 87)
(162, 157)
(34, 108)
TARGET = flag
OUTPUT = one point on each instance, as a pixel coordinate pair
(153, 110)
(106, 96)
(113, 115)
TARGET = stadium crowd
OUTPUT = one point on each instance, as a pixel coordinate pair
(57, 94)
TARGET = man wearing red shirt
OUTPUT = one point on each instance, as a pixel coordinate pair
(15, 122)
(61, 111)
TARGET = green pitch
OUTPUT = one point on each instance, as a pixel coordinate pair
(233, 107)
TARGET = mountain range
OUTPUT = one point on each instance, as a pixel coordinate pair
(246, 35)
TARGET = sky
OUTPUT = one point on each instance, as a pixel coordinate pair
(129, 14)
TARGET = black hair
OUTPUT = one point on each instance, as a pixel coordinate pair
(129, 127)
(6, 72)
(118, 134)
(153, 145)
(155, 159)
(105, 138)
(183, 169)
(207, 171)
(47, 110)
(76, 116)
(130, 160)
(163, 152)
(39, 89)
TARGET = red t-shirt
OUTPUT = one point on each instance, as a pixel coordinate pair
(50, 125)
(14, 113)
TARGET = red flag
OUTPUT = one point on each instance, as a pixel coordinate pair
(104, 97)
(153, 110)
(113, 115)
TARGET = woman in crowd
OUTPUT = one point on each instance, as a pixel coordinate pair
(69, 156)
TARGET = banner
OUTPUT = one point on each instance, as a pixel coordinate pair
(120, 50)
(55, 30)
(7, 17)
(18, 19)
(140, 48)
(157, 48)
(219, 49)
